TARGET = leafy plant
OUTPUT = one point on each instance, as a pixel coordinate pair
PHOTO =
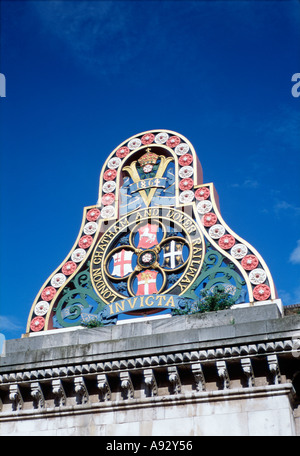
(92, 324)
(209, 302)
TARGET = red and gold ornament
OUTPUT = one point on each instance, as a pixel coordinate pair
(202, 193)
(249, 262)
(226, 241)
(37, 323)
(110, 174)
(186, 184)
(93, 215)
(261, 292)
(85, 242)
(48, 293)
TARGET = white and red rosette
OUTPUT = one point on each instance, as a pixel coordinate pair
(41, 308)
(90, 228)
(109, 187)
(209, 219)
(204, 206)
(78, 255)
(114, 163)
(148, 138)
(108, 212)
(69, 267)
(58, 280)
(122, 152)
(134, 143)
(182, 149)
(186, 183)
(110, 174)
(85, 241)
(48, 293)
(226, 242)
(216, 231)
(186, 196)
(238, 251)
(249, 262)
(93, 215)
(186, 171)
(37, 323)
(202, 193)
(261, 292)
(173, 141)
(108, 199)
(185, 160)
(257, 276)
(161, 138)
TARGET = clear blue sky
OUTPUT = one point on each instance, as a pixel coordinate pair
(83, 76)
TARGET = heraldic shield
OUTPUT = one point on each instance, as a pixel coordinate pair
(151, 245)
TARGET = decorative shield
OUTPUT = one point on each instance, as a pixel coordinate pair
(173, 254)
(148, 236)
(146, 283)
(122, 263)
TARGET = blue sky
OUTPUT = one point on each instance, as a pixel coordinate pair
(83, 76)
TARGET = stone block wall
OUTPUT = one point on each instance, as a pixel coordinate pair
(232, 372)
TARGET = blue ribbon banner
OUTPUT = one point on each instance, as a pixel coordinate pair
(111, 311)
(148, 183)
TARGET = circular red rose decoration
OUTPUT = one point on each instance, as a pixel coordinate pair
(249, 262)
(93, 214)
(48, 293)
(37, 323)
(209, 219)
(69, 267)
(122, 152)
(148, 138)
(261, 292)
(186, 184)
(185, 160)
(108, 199)
(85, 241)
(202, 193)
(110, 174)
(226, 241)
(173, 141)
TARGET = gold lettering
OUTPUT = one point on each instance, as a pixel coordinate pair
(170, 300)
(160, 299)
(142, 299)
(134, 301)
(147, 301)
(111, 310)
(120, 307)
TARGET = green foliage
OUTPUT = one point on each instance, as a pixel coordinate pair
(209, 302)
(92, 324)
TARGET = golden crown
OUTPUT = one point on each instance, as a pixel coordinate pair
(148, 158)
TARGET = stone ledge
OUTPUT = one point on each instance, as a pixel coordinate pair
(164, 401)
(243, 326)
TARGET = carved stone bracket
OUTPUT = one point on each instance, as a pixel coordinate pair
(274, 369)
(102, 383)
(248, 371)
(82, 395)
(198, 377)
(59, 393)
(150, 383)
(16, 397)
(174, 379)
(223, 374)
(37, 395)
(126, 385)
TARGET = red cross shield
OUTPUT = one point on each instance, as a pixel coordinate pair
(146, 283)
(147, 236)
(122, 263)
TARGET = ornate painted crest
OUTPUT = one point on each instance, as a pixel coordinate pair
(153, 242)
